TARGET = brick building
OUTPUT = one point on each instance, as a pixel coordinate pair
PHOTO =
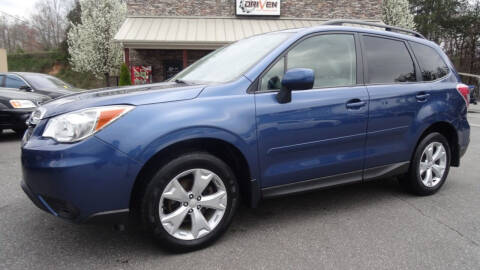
(168, 35)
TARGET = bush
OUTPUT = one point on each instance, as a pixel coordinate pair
(125, 78)
(54, 62)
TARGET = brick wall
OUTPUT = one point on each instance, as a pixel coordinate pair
(325, 9)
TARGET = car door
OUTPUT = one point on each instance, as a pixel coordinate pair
(395, 94)
(321, 132)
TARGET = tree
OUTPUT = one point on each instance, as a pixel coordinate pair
(434, 17)
(50, 23)
(91, 44)
(125, 78)
(73, 18)
(397, 13)
(455, 26)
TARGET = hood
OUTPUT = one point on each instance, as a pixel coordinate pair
(63, 91)
(6, 93)
(131, 95)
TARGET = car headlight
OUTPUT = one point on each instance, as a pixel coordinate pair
(22, 104)
(78, 125)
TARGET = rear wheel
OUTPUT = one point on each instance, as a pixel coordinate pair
(190, 201)
(429, 167)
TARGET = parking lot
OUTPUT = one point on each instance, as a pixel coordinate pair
(364, 226)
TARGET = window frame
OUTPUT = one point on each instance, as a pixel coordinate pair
(418, 75)
(19, 77)
(420, 68)
(255, 88)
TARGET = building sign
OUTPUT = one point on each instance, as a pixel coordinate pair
(258, 7)
(141, 74)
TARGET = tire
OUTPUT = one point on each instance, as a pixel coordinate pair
(416, 180)
(162, 186)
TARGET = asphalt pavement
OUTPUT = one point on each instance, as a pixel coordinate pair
(374, 225)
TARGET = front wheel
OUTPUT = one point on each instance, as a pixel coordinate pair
(190, 201)
(430, 165)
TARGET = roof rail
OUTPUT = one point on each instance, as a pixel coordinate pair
(386, 27)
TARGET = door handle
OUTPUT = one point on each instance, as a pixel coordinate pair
(422, 96)
(355, 103)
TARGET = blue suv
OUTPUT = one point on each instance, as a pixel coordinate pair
(274, 114)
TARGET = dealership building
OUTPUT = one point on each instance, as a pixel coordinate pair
(161, 37)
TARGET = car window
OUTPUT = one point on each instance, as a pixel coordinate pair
(14, 81)
(432, 65)
(388, 61)
(46, 82)
(230, 62)
(332, 58)
(1, 80)
(272, 80)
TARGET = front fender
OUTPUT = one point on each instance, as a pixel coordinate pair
(246, 147)
(148, 129)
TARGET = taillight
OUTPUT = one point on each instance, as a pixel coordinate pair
(464, 90)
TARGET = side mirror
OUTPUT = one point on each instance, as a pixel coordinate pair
(26, 88)
(295, 79)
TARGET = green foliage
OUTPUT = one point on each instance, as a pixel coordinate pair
(125, 78)
(46, 62)
(455, 25)
(34, 62)
(73, 18)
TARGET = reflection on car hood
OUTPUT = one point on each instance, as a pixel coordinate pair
(132, 95)
(63, 91)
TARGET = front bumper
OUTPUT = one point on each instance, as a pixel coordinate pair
(14, 118)
(81, 182)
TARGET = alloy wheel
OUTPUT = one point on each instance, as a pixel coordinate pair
(193, 204)
(433, 163)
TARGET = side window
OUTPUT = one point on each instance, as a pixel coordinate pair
(332, 58)
(272, 80)
(432, 65)
(13, 81)
(388, 61)
(2, 77)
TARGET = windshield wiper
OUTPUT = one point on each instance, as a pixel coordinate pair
(180, 81)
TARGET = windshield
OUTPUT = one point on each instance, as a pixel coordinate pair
(46, 82)
(228, 63)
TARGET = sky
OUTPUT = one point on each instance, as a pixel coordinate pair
(18, 8)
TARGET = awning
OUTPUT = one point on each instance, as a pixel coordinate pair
(198, 32)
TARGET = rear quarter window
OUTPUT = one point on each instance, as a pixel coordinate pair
(388, 61)
(431, 63)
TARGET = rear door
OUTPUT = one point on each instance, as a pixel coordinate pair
(321, 132)
(392, 79)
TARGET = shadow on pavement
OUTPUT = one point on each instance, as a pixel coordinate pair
(94, 240)
(9, 136)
